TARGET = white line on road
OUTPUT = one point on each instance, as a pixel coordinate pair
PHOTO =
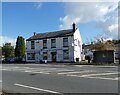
(3, 69)
(36, 72)
(94, 77)
(60, 70)
(0, 80)
(77, 72)
(104, 78)
(41, 72)
(87, 75)
(25, 86)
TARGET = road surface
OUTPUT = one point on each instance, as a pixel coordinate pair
(59, 79)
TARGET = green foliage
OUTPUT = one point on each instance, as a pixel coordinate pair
(102, 45)
(8, 50)
(20, 47)
(116, 41)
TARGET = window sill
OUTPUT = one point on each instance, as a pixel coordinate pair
(53, 47)
(65, 46)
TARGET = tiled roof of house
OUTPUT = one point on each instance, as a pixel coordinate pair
(60, 33)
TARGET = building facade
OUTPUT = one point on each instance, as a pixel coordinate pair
(59, 46)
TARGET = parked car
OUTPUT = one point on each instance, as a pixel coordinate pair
(13, 60)
(6, 60)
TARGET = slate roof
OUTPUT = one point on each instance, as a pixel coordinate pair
(61, 33)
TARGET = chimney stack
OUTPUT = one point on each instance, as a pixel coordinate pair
(34, 33)
(74, 28)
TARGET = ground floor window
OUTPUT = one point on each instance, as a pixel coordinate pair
(31, 56)
(44, 55)
(65, 54)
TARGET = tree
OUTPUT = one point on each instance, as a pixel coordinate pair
(20, 47)
(116, 41)
(102, 44)
(8, 50)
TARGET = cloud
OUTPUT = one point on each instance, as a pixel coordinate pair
(4, 39)
(38, 5)
(104, 14)
(67, 21)
(109, 27)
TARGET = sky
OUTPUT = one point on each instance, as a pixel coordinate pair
(94, 19)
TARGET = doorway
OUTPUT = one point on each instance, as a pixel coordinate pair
(53, 57)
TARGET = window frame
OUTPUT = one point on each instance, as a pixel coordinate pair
(53, 43)
(32, 44)
(66, 56)
(45, 42)
(65, 42)
(30, 56)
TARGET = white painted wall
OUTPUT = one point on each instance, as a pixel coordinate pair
(71, 48)
(28, 45)
(59, 45)
(77, 48)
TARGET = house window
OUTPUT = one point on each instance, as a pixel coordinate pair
(32, 45)
(65, 54)
(65, 42)
(31, 56)
(53, 43)
(44, 55)
(44, 44)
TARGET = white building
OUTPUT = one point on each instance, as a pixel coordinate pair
(59, 46)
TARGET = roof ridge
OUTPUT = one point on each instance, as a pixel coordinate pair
(45, 35)
(55, 31)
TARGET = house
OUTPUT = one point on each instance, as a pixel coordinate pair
(58, 46)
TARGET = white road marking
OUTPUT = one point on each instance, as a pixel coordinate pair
(35, 88)
(104, 78)
(88, 75)
(76, 72)
(94, 77)
(37, 72)
(16, 67)
(78, 65)
(68, 72)
(106, 66)
(4, 69)
(62, 70)
(41, 72)
(48, 70)
(27, 71)
(0, 80)
(43, 68)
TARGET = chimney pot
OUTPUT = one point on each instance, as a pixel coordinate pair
(74, 28)
(34, 33)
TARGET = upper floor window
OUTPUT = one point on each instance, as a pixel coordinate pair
(65, 42)
(32, 45)
(53, 43)
(44, 44)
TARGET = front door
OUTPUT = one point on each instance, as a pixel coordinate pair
(53, 56)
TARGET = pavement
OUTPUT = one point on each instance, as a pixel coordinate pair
(59, 79)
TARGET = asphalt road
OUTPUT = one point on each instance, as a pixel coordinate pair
(59, 79)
